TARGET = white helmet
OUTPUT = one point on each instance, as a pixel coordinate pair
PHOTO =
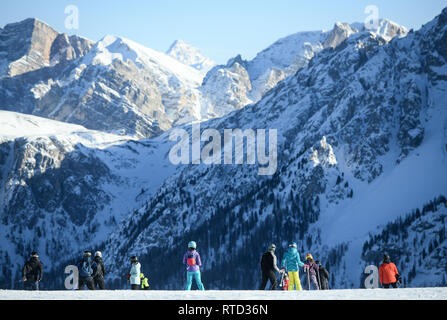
(98, 254)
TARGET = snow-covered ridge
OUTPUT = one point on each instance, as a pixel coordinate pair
(16, 125)
(112, 47)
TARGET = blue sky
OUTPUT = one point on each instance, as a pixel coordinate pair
(220, 29)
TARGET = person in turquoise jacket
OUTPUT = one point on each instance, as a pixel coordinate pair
(292, 262)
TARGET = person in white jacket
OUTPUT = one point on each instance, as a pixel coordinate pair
(135, 271)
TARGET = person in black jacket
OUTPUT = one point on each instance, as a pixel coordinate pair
(268, 268)
(99, 271)
(323, 276)
(32, 272)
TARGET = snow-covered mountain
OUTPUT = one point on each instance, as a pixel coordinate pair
(190, 56)
(361, 142)
(65, 188)
(122, 87)
(116, 86)
(280, 60)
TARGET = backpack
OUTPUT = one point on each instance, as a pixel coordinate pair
(86, 270)
(191, 259)
(267, 261)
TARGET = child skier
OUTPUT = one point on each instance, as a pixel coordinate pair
(284, 279)
(144, 282)
(311, 269)
(193, 262)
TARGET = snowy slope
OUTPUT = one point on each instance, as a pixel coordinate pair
(64, 187)
(191, 56)
(361, 141)
(378, 294)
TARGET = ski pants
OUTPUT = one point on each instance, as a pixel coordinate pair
(99, 282)
(266, 276)
(31, 285)
(313, 282)
(387, 285)
(134, 287)
(197, 277)
(294, 281)
(86, 281)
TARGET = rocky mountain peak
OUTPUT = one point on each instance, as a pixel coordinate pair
(339, 33)
(31, 44)
(189, 55)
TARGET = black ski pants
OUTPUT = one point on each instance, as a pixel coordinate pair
(387, 285)
(266, 276)
(86, 282)
(99, 282)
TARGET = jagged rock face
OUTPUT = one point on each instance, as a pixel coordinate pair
(227, 89)
(355, 112)
(31, 44)
(339, 33)
(48, 177)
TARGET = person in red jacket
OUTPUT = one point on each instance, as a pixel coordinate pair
(388, 274)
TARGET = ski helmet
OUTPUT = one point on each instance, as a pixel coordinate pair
(309, 257)
(293, 245)
(98, 254)
(87, 253)
(386, 258)
(134, 259)
(272, 247)
(34, 254)
(192, 245)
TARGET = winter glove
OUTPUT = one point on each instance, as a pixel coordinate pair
(128, 276)
(306, 268)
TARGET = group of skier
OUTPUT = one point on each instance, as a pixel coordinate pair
(92, 272)
(317, 275)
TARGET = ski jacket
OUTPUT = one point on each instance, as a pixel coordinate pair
(324, 277)
(144, 283)
(135, 271)
(85, 268)
(192, 256)
(99, 270)
(268, 262)
(388, 273)
(313, 268)
(32, 270)
(291, 260)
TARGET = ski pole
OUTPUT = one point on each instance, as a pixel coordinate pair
(308, 279)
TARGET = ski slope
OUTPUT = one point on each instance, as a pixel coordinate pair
(351, 294)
